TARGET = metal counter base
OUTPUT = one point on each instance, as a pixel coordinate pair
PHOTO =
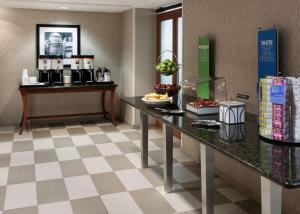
(271, 193)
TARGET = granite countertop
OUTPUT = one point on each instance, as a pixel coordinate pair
(279, 163)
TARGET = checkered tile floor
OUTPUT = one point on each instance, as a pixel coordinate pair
(90, 168)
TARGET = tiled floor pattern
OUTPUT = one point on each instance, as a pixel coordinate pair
(91, 168)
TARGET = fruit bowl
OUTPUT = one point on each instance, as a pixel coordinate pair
(171, 90)
(167, 67)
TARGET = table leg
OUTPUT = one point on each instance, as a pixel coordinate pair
(144, 140)
(111, 107)
(25, 111)
(103, 104)
(271, 197)
(168, 157)
(207, 179)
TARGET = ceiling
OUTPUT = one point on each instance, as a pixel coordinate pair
(87, 5)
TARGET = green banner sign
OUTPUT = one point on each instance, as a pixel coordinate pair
(204, 67)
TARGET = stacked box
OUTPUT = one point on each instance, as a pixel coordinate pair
(280, 113)
(295, 94)
(265, 108)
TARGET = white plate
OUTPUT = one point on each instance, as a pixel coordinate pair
(156, 103)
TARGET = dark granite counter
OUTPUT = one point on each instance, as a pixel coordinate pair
(67, 86)
(278, 163)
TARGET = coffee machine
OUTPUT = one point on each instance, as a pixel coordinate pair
(88, 68)
(57, 71)
(44, 66)
(76, 69)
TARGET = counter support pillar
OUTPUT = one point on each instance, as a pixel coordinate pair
(271, 197)
(144, 140)
(168, 157)
(207, 178)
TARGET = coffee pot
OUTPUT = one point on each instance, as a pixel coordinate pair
(107, 75)
(99, 75)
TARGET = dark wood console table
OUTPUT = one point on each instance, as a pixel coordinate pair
(26, 90)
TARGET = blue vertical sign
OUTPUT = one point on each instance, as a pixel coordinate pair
(267, 53)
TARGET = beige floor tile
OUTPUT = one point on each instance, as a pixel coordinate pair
(119, 162)
(63, 142)
(8, 137)
(116, 137)
(82, 140)
(22, 146)
(45, 156)
(43, 144)
(51, 191)
(2, 197)
(92, 205)
(76, 131)
(73, 168)
(100, 138)
(3, 175)
(61, 132)
(228, 209)
(108, 149)
(128, 147)
(41, 134)
(4, 160)
(92, 129)
(26, 135)
(155, 175)
(5, 147)
(26, 210)
(232, 194)
(147, 198)
(107, 183)
(109, 128)
(88, 151)
(21, 174)
(133, 135)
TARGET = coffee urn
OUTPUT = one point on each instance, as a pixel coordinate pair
(76, 69)
(88, 68)
(57, 70)
(44, 66)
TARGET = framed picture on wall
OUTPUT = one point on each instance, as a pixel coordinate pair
(58, 40)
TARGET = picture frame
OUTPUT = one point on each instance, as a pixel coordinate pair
(54, 39)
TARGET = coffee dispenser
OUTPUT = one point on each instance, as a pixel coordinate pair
(88, 68)
(57, 71)
(76, 69)
(44, 66)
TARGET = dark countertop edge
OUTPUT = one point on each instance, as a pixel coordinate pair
(284, 184)
(66, 86)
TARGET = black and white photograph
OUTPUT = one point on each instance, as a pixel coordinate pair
(56, 40)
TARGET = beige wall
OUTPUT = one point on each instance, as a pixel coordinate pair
(138, 57)
(232, 25)
(101, 35)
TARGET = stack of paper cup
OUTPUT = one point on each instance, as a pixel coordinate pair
(265, 108)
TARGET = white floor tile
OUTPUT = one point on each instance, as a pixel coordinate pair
(20, 195)
(59, 133)
(151, 146)
(108, 149)
(232, 194)
(47, 171)
(181, 174)
(26, 135)
(135, 159)
(82, 140)
(42, 144)
(80, 187)
(120, 203)
(228, 209)
(180, 156)
(67, 153)
(180, 201)
(92, 129)
(155, 133)
(22, 158)
(96, 165)
(133, 179)
(117, 137)
(63, 207)
(3, 176)
(5, 147)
